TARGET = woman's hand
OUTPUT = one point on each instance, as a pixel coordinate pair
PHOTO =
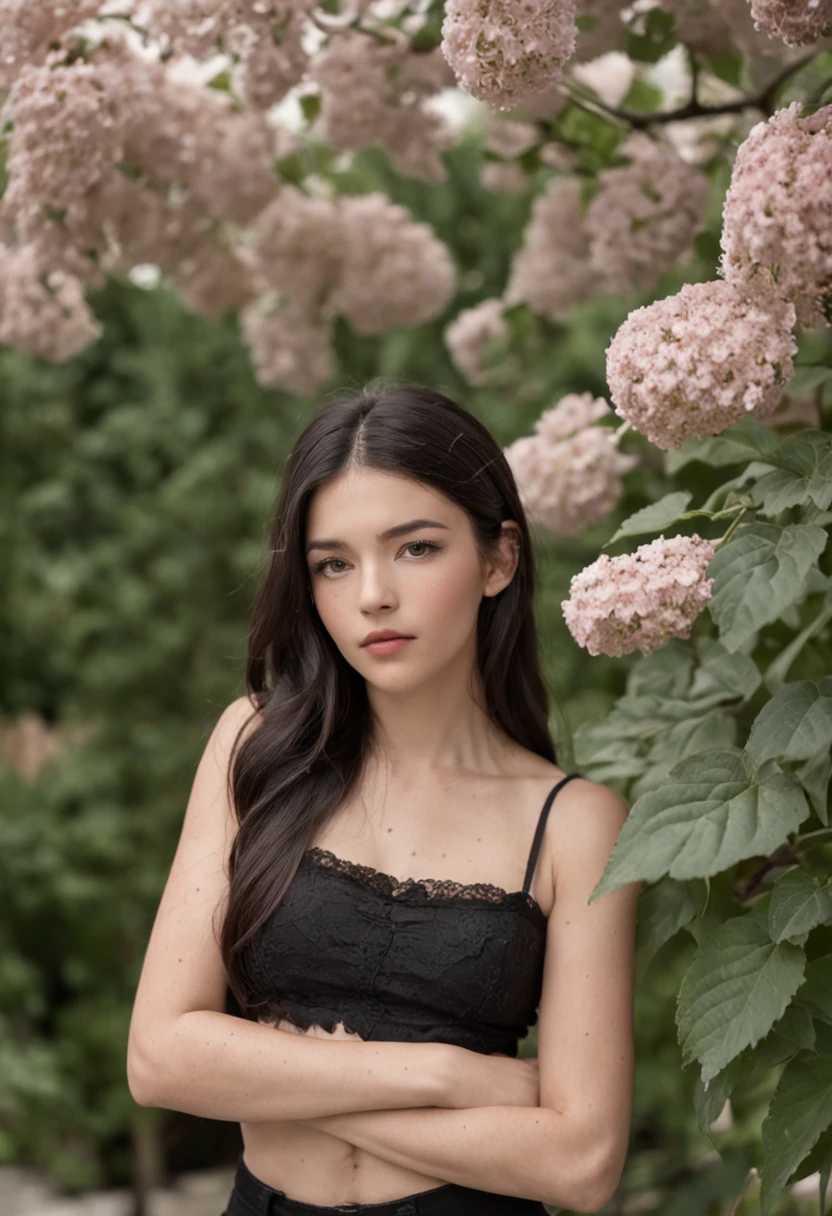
(492, 1080)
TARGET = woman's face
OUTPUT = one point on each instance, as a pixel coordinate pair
(425, 581)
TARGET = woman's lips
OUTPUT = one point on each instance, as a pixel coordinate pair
(388, 646)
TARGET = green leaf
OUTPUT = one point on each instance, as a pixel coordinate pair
(664, 908)
(707, 815)
(310, 105)
(707, 246)
(758, 574)
(814, 776)
(800, 1111)
(736, 487)
(658, 39)
(804, 474)
(815, 993)
(655, 517)
(777, 671)
(743, 441)
(734, 674)
(708, 1100)
(727, 65)
(739, 984)
(687, 738)
(644, 96)
(795, 724)
(429, 35)
(807, 378)
(798, 903)
(794, 1032)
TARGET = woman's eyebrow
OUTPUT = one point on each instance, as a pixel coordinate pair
(398, 530)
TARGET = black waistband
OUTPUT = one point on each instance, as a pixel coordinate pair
(438, 1201)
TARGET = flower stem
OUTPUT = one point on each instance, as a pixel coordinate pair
(731, 527)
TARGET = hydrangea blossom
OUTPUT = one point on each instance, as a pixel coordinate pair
(394, 271)
(572, 413)
(289, 348)
(508, 137)
(503, 51)
(375, 93)
(797, 24)
(569, 472)
(503, 177)
(777, 219)
(298, 243)
(695, 363)
(469, 334)
(28, 29)
(644, 215)
(602, 28)
(568, 486)
(42, 312)
(552, 271)
(67, 131)
(637, 601)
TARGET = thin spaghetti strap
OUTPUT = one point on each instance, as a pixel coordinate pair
(541, 825)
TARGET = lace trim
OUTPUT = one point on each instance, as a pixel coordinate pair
(433, 888)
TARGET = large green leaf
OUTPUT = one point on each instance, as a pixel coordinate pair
(800, 1111)
(709, 814)
(816, 992)
(708, 1100)
(795, 724)
(739, 984)
(758, 574)
(798, 903)
(663, 909)
(803, 473)
(814, 776)
(735, 674)
(794, 1032)
(655, 517)
(745, 440)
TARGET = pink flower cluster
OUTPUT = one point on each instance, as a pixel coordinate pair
(290, 349)
(360, 256)
(796, 24)
(553, 270)
(644, 215)
(777, 219)
(394, 271)
(49, 317)
(29, 29)
(569, 472)
(470, 333)
(266, 36)
(695, 363)
(504, 51)
(375, 93)
(637, 601)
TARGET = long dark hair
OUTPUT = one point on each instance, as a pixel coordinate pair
(293, 771)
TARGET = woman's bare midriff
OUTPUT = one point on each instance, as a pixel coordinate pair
(316, 1167)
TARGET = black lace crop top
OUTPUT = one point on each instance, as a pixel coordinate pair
(413, 959)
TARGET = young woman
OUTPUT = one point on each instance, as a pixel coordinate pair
(370, 903)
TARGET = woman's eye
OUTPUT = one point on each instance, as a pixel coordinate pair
(327, 563)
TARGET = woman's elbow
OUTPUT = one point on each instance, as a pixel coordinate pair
(142, 1074)
(596, 1186)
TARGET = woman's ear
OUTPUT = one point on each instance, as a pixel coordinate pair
(505, 560)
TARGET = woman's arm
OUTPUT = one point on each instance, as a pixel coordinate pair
(222, 1067)
(530, 1152)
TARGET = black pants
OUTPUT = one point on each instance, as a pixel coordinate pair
(251, 1197)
